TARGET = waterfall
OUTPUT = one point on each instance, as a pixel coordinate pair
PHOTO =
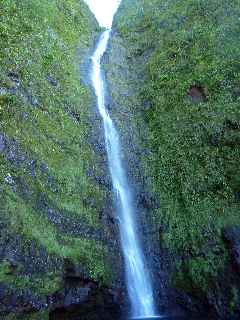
(137, 276)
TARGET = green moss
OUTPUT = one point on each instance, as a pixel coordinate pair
(42, 315)
(44, 284)
(194, 152)
(48, 132)
(234, 299)
(45, 110)
(198, 274)
(5, 269)
(11, 317)
(24, 220)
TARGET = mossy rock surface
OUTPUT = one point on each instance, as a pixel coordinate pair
(183, 100)
(50, 204)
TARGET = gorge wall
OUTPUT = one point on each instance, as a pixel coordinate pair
(173, 80)
(173, 74)
(57, 243)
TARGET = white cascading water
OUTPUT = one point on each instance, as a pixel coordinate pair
(137, 277)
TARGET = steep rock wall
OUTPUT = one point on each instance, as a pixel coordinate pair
(173, 75)
(56, 241)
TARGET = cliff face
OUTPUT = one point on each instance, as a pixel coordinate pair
(173, 75)
(173, 83)
(55, 241)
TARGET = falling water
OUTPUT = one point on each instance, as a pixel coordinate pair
(137, 277)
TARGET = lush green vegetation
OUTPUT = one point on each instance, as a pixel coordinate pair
(23, 220)
(43, 284)
(44, 115)
(189, 51)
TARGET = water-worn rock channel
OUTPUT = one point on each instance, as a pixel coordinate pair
(137, 277)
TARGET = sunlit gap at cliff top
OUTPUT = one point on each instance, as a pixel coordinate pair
(104, 11)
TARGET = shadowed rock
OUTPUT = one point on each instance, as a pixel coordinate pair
(2, 143)
(197, 94)
(232, 236)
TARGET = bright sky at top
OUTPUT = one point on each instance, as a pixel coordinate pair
(104, 11)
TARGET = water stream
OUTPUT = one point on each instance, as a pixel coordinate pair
(137, 276)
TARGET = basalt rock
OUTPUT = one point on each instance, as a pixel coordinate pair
(88, 303)
(232, 236)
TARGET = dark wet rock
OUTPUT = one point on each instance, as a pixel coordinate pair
(108, 217)
(75, 116)
(15, 88)
(9, 179)
(99, 146)
(24, 115)
(14, 77)
(236, 93)
(104, 181)
(227, 135)
(232, 236)
(89, 302)
(232, 124)
(13, 263)
(20, 302)
(13, 153)
(147, 105)
(215, 137)
(33, 101)
(69, 225)
(2, 143)
(197, 94)
(32, 167)
(44, 168)
(79, 299)
(76, 296)
(54, 216)
(105, 58)
(52, 81)
(73, 271)
(24, 256)
(147, 201)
